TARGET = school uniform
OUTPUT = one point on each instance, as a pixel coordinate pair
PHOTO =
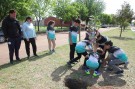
(73, 31)
(116, 56)
(81, 50)
(90, 36)
(102, 40)
(92, 62)
(51, 33)
(29, 33)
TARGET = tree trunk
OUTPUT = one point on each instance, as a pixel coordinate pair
(38, 22)
(87, 21)
(35, 25)
(61, 24)
(121, 31)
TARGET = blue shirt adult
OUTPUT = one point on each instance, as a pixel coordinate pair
(28, 30)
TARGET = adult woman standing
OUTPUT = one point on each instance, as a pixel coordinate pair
(29, 35)
(51, 36)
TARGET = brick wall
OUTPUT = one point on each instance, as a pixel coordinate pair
(58, 22)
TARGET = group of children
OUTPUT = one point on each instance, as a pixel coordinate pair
(94, 48)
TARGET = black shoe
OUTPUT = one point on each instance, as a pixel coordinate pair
(73, 63)
(18, 59)
(36, 55)
(119, 72)
(11, 62)
(53, 50)
(68, 63)
(76, 61)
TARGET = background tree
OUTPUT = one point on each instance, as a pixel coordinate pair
(124, 16)
(105, 18)
(95, 7)
(113, 20)
(65, 11)
(134, 23)
(81, 9)
(39, 9)
(97, 22)
(21, 6)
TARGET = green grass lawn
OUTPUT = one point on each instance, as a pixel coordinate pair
(49, 71)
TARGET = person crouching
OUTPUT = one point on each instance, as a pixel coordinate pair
(81, 50)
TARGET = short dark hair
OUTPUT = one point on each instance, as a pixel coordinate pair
(27, 18)
(77, 21)
(109, 43)
(50, 22)
(99, 35)
(12, 11)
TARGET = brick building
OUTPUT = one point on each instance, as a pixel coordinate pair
(58, 22)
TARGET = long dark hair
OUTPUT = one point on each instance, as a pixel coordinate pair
(77, 21)
(109, 43)
(27, 18)
(50, 22)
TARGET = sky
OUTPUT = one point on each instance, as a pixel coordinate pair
(113, 5)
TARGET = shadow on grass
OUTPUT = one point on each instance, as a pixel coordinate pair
(122, 38)
(111, 80)
(14, 63)
(59, 72)
(34, 58)
(88, 81)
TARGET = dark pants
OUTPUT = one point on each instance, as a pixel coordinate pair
(99, 61)
(79, 56)
(114, 62)
(27, 46)
(14, 46)
(72, 51)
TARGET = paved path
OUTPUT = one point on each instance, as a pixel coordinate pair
(42, 44)
(133, 29)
